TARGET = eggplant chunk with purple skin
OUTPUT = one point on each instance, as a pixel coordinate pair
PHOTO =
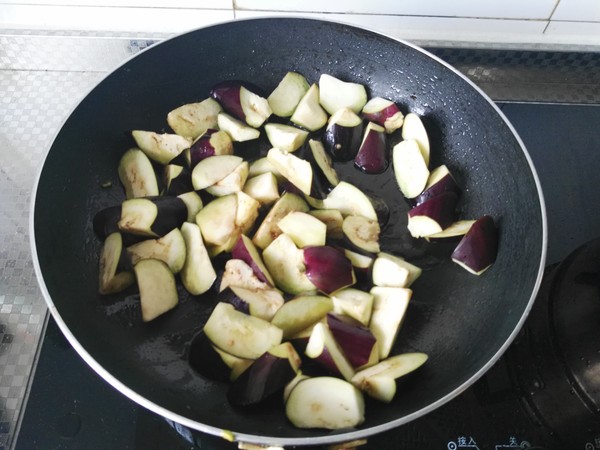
(246, 251)
(304, 229)
(177, 180)
(158, 292)
(114, 275)
(324, 176)
(325, 402)
(383, 112)
(343, 135)
(452, 233)
(193, 119)
(410, 168)
(372, 157)
(433, 216)
(162, 148)
(207, 360)
(193, 203)
(294, 169)
(379, 381)
(265, 377)
(327, 352)
(211, 143)
(335, 94)
(268, 229)
(356, 340)
(286, 265)
(239, 334)
(238, 100)
(137, 174)
(478, 249)
(440, 180)
(328, 268)
(152, 217)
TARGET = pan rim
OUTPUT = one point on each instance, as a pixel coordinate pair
(272, 440)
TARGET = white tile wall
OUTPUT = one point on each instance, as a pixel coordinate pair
(511, 9)
(546, 23)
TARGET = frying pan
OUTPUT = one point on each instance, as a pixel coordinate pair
(464, 322)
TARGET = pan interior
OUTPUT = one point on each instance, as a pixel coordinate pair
(459, 319)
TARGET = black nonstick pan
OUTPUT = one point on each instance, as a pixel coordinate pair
(463, 322)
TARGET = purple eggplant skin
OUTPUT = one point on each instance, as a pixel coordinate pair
(325, 361)
(328, 268)
(227, 93)
(478, 249)
(204, 146)
(341, 142)
(178, 185)
(372, 155)
(267, 376)
(355, 340)
(172, 212)
(205, 360)
(382, 210)
(321, 184)
(445, 184)
(441, 208)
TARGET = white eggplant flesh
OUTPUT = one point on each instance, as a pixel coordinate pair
(137, 174)
(304, 229)
(393, 271)
(198, 273)
(158, 292)
(389, 309)
(162, 148)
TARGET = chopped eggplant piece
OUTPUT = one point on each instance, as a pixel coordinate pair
(433, 216)
(324, 177)
(197, 274)
(300, 313)
(362, 233)
(246, 213)
(238, 100)
(217, 220)
(262, 303)
(268, 229)
(106, 221)
(372, 153)
(236, 364)
(440, 180)
(211, 143)
(239, 274)
(478, 249)
(356, 340)
(263, 188)
(413, 128)
(383, 112)
(152, 217)
(267, 376)
(309, 114)
(332, 219)
(158, 292)
(236, 129)
(296, 170)
(304, 229)
(328, 268)
(263, 165)
(232, 183)
(393, 271)
(336, 94)
(193, 119)
(137, 174)
(170, 249)
(193, 203)
(285, 137)
(240, 334)
(327, 352)
(410, 168)
(288, 93)
(350, 201)
(246, 251)
(379, 381)
(113, 262)
(292, 384)
(389, 308)
(453, 233)
(325, 402)
(353, 303)
(343, 135)
(162, 148)
(285, 263)
(211, 170)
(177, 180)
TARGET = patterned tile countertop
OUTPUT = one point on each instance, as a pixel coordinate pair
(42, 77)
